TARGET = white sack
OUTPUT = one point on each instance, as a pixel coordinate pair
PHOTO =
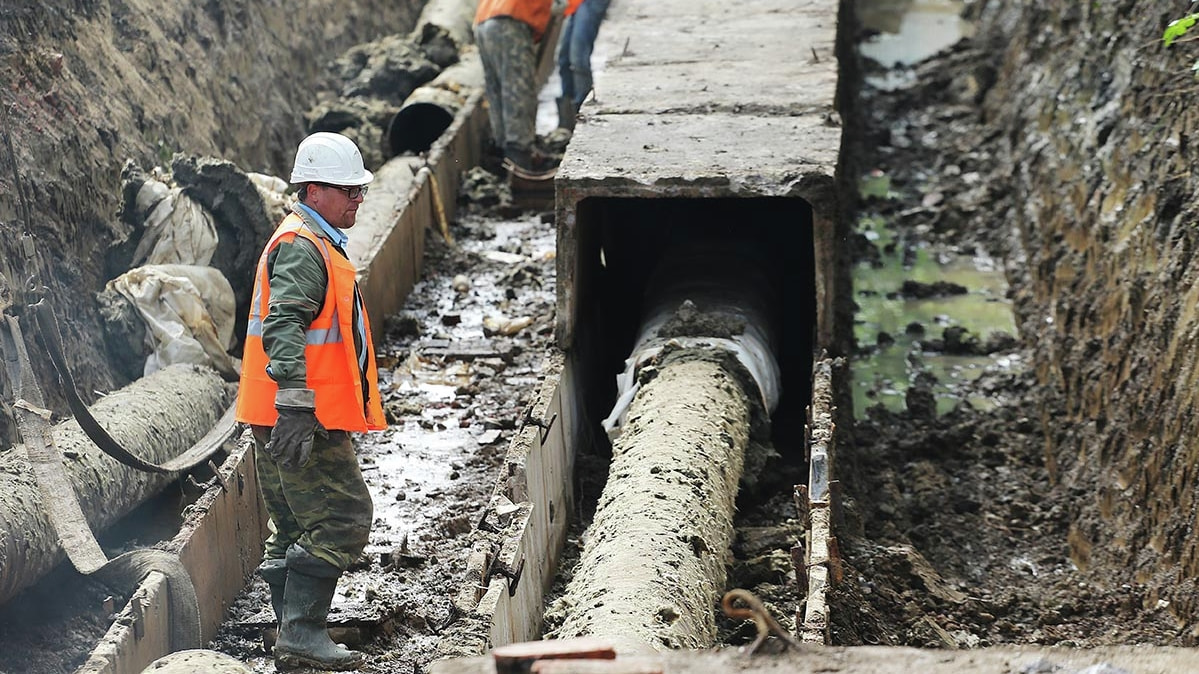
(189, 314)
(178, 230)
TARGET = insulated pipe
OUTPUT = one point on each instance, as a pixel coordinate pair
(431, 108)
(702, 379)
(156, 417)
(653, 563)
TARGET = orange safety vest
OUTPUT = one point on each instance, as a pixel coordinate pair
(536, 13)
(331, 362)
(572, 6)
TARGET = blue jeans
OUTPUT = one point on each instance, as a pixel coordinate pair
(574, 49)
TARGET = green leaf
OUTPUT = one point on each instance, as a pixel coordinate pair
(1178, 27)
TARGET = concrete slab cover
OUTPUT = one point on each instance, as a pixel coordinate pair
(763, 120)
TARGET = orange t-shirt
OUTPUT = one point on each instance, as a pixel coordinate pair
(536, 13)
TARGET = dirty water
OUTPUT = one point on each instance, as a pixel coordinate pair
(902, 33)
(893, 331)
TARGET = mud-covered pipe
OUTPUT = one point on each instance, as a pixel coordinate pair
(653, 564)
(711, 293)
(453, 19)
(702, 379)
(156, 417)
(430, 109)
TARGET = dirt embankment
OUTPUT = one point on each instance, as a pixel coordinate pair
(88, 86)
(1059, 515)
(1101, 205)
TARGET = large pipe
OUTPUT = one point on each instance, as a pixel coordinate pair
(653, 564)
(431, 108)
(157, 417)
(452, 20)
(701, 381)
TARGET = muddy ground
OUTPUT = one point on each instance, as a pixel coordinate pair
(955, 534)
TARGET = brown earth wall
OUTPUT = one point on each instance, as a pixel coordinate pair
(1096, 120)
(89, 84)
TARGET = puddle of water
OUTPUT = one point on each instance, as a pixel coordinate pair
(883, 375)
(417, 464)
(907, 32)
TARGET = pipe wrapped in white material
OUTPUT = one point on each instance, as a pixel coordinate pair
(654, 558)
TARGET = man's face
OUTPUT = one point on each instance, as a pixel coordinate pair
(335, 203)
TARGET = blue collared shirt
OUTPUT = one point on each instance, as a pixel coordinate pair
(338, 237)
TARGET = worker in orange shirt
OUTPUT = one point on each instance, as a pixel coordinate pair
(507, 32)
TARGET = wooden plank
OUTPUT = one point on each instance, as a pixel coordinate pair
(519, 657)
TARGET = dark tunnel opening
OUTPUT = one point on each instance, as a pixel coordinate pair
(416, 127)
(635, 252)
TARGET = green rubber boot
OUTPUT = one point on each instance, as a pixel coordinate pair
(303, 633)
(274, 572)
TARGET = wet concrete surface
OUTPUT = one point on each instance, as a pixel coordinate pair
(756, 123)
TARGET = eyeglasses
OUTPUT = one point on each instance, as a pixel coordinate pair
(351, 192)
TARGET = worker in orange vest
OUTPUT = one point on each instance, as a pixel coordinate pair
(308, 380)
(507, 32)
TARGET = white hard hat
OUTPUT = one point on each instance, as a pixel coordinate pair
(330, 158)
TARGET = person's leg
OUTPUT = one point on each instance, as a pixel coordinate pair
(284, 528)
(587, 20)
(489, 52)
(517, 72)
(330, 501)
(564, 69)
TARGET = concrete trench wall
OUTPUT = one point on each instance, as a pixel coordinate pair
(1099, 165)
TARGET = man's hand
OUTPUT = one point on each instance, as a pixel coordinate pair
(291, 439)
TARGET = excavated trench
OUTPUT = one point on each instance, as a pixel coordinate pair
(693, 320)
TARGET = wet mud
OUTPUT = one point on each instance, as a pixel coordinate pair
(957, 530)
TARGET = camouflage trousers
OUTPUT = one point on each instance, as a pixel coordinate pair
(323, 506)
(509, 72)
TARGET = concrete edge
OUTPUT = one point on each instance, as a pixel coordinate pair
(821, 568)
(525, 526)
(220, 545)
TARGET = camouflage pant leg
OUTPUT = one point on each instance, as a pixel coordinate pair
(324, 506)
(507, 52)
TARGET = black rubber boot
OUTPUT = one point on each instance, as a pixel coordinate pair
(523, 166)
(518, 159)
(274, 572)
(303, 633)
(566, 113)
